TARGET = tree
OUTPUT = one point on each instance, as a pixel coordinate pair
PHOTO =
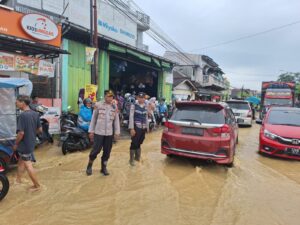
(291, 77)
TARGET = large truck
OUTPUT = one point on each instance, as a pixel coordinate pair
(275, 93)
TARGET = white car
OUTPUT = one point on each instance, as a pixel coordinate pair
(242, 111)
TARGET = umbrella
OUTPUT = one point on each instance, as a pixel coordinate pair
(253, 100)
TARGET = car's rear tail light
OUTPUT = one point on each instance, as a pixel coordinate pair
(169, 126)
(249, 114)
(223, 131)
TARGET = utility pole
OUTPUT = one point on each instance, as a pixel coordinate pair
(94, 39)
(242, 92)
(92, 35)
(96, 43)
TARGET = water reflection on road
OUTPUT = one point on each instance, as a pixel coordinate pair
(161, 190)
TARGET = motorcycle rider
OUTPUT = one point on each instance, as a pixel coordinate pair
(85, 114)
(104, 118)
(138, 125)
(162, 110)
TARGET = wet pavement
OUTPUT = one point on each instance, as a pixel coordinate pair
(160, 190)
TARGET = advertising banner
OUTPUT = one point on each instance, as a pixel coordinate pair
(52, 116)
(89, 55)
(46, 69)
(19, 63)
(91, 92)
(7, 62)
(26, 64)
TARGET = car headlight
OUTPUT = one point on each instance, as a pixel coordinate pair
(270, 135)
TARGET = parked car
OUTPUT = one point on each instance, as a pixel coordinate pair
(203, 130)
(242, 111)
(280, 133)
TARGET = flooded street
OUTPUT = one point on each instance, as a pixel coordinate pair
(160, 190)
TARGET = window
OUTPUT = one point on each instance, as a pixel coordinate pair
(200, 114)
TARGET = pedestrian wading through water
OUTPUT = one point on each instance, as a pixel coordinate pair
(138, 125)
(104, 121)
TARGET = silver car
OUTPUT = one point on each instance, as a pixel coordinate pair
(242, 111)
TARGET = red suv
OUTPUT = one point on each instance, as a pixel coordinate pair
(280, 133)
(203, 130)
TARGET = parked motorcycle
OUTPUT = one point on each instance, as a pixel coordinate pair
(45, 136)
(74, 139)
(68, 118)
(162, 118)
(4, 184)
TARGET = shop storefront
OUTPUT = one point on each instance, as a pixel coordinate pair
(121, 68)
(29, 45)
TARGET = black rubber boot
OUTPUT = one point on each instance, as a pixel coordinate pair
(131, 160)
(138, 154)
(104, 169)
(89, 169)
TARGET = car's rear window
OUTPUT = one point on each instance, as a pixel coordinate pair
(284, 117)
(200, 114)
(239, 105)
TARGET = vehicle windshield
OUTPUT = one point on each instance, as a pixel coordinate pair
(200, 114)
(274, 101)
(239, 105)
(285, 117)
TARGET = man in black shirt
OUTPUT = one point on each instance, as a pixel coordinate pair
(27, 128)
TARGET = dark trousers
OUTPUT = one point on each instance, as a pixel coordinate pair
(100, 142)
(138, 139)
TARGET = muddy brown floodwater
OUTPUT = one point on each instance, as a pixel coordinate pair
(161, 190)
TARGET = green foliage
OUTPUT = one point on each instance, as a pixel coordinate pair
(288, 77)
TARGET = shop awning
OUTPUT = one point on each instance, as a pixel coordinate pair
(149, 58)
(139, 55)
(25, 47)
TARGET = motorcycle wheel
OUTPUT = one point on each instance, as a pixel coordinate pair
(64, 148)
(4, 186)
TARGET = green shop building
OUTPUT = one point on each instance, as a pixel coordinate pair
(121, 67)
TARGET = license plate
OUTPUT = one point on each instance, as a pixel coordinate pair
(192, 131)
(240, 121)
(237, 114)
(293, 151)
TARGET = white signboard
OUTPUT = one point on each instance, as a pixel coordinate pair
(116, 25)
(46, 68)
(169, 78)
(52, 116)
(39, 27)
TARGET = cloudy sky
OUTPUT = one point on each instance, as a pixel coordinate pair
(196, 24)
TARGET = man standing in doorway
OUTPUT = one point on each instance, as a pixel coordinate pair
(27, 128)
(138, 125)
(104, 119)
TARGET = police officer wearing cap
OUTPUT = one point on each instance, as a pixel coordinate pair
(138, 125)
(105, 119)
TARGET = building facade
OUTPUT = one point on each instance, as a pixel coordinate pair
(203, 71)
(125, 64)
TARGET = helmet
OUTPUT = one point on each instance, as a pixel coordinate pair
(127, 95)
(87, 100)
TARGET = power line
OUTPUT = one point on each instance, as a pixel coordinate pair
(248, 36)
(155, 32)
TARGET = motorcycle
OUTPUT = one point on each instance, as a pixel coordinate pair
(68, 119)
(74, 139)
(45, 135)
(162, 118)
(4, 184)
